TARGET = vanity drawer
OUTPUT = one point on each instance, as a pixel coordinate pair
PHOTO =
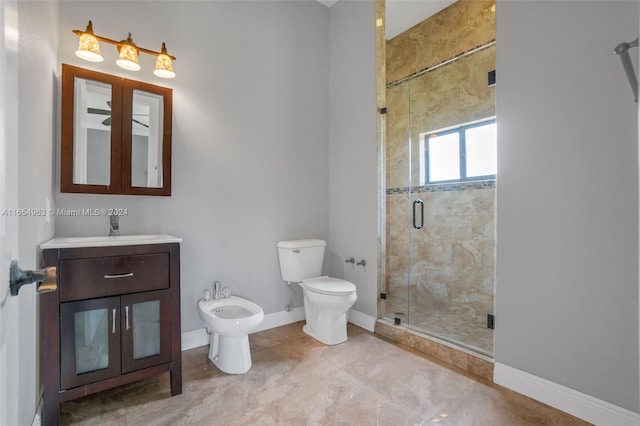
(106, 276)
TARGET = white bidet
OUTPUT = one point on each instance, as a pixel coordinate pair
(230, 320)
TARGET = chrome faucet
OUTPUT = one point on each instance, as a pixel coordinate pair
(217, 290)
(114, 226)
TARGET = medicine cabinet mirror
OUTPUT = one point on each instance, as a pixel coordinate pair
(116, 135)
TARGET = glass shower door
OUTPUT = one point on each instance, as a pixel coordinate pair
(453, 178)
(440, 206)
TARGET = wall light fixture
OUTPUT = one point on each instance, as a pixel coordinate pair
(89, 50)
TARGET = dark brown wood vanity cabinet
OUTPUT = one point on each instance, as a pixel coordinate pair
(114, 319)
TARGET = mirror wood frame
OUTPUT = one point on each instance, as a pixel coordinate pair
(122, 90)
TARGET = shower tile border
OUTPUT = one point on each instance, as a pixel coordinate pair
(445, 187)
(472, 364)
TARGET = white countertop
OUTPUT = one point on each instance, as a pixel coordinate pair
(120, 240)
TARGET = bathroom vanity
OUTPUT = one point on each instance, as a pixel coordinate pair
(115, 318)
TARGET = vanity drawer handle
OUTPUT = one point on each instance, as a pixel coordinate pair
(126, 275)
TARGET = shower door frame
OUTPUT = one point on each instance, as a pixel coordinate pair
(414, 190)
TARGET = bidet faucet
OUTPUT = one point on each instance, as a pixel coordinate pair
(217, 290)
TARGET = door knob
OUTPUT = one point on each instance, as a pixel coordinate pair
(45, 279)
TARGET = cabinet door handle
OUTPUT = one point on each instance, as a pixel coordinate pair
(113, 321)
(126, 317)
(125, 275)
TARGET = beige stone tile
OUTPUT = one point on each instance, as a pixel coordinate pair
(456, 29)
(92, 410)
(225, 400)
(255, 417)
(274, 336)
(295, 380)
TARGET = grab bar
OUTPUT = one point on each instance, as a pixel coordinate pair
(622, 50)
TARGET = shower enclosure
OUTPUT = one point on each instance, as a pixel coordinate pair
(439, 177)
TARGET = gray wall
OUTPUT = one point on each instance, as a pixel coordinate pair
(257, 99)
(352, 148)
(37, 63)
(567, 228)
(250, 136)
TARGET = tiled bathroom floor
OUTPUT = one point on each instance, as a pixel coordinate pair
(297, 381)
(467, 330)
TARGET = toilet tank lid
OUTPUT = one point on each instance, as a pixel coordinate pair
(293, 244)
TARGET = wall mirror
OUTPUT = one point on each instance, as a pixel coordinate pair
(116, 135)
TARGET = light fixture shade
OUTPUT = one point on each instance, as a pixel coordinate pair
(128, 56)
(164, 67)
(88, 48)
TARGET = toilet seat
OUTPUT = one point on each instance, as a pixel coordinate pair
(328, 285)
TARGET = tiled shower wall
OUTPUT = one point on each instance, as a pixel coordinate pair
(451, 258)
(448, 264)
(456, 29)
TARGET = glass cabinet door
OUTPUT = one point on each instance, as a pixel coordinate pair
(146, 327)
(90, 341)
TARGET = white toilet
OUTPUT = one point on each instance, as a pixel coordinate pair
(230, 320)
(326, 300)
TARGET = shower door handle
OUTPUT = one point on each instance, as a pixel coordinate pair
(421, 204)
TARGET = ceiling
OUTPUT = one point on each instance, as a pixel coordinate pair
(404, 14)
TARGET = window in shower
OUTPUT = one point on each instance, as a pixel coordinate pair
(462, 153)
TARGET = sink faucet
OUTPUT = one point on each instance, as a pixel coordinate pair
(217, 290)
(114, 227)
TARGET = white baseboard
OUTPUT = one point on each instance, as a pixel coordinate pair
(197, 338)
(362, 320)
(578, 404)
(194, 339)
(281, 318)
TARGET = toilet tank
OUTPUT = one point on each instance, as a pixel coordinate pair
(300, 259)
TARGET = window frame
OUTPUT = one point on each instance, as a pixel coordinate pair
(461, 131)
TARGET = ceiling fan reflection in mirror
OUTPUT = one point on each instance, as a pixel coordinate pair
(107, 121)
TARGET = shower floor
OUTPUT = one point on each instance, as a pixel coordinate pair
(470, 332)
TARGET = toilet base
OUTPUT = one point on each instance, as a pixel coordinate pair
(231, 354)
(326, 316)
(329, 331)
